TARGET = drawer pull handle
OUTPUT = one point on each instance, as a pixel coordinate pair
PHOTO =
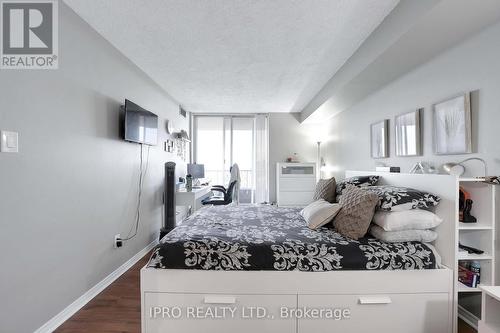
(220, 300)
(375, 300)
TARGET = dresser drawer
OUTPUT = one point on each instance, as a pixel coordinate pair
(295, 198)
(188, 313)
(297, 184)
(296, 170)
(409, 313)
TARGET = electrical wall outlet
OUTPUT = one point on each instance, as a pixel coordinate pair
(118, 241)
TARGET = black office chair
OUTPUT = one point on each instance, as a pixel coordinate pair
(219, 200)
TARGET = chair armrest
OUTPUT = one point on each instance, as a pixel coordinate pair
(218, 189)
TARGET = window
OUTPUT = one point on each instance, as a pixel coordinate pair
(221, 141)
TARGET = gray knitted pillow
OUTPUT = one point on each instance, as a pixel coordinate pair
(358, 208)
(325, 189)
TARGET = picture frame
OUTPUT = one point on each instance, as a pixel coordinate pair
(452, 122)
(379, 142)
(408, 133)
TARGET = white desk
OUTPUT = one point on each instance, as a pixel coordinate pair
(490, 311)
(192, 199)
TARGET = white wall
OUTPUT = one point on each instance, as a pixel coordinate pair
(473, 65)
(73, 185)
(286, 137)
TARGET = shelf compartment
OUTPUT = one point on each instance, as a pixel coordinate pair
(485, 275)
(471, 315)
(479, 239)
(481, 195)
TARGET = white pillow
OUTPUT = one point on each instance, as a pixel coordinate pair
(425, 236)
(319, 213)
(415, 219)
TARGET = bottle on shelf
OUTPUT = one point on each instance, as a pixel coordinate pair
(475, 267)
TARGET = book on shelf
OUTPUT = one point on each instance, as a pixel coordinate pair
(467, 276)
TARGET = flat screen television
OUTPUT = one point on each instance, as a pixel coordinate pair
(141, 126)
(197, 171)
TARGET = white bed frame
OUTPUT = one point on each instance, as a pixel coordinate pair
(420, 301)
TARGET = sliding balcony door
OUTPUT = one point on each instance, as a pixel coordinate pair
(221, 141)
(209, 142)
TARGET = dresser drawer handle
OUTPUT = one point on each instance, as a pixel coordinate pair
(375, 300)
(220, 300)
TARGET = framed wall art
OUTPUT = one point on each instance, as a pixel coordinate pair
(380, 139)
(408, 133)
(452, 126)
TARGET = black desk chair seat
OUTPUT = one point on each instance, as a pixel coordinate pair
(221, 200)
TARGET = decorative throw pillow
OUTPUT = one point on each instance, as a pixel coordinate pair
(358, 207)
(425, 236)
(359, 181)
(325, 189)
(393, 198)
(415, 219)
(319, 213)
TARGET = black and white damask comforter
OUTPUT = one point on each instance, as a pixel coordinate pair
(276, 238)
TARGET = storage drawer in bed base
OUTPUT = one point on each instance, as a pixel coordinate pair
(377, 301)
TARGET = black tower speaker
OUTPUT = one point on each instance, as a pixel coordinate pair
(169, 198)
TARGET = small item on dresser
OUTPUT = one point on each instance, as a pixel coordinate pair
(415, 219)
(395, 198)
(465, 207)
(358, 207)
(293, 159)
(424, 236)
(319, 213)
(325, 189)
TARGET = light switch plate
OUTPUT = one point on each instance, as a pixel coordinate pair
(9, 142)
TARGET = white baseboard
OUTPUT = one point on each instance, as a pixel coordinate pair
(80, 302)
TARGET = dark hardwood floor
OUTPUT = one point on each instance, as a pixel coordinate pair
(118, 308)
(464, 328)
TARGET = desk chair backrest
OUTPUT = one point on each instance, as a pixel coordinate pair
(235, 177)
(228, 196)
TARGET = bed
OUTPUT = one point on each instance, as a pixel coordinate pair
(259, 268)
(263, 238)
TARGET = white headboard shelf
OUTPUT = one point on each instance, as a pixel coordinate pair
(446, 187)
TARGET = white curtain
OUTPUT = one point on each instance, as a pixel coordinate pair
(261, 158)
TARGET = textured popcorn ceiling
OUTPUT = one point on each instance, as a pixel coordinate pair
(235, 55)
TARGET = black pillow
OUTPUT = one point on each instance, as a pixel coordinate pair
(393, 198)
(359, 181)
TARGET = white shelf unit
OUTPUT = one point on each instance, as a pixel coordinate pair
(481, 235)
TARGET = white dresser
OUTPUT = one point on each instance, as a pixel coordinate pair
(295, 183)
